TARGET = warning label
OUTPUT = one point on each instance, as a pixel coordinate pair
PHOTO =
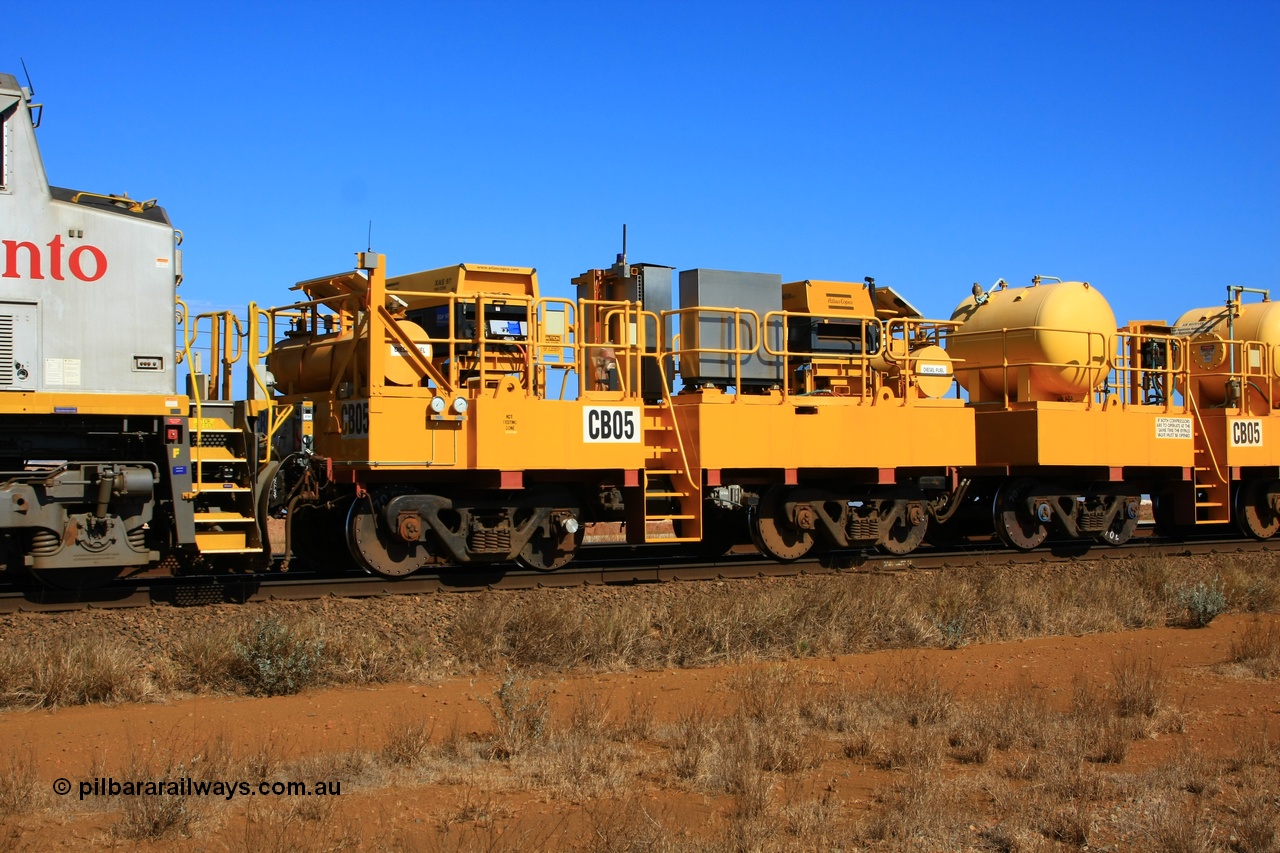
(1173, 428)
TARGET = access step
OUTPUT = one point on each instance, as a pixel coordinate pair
(214, 454)
(220, 488)
(222, 518)
(222, 542)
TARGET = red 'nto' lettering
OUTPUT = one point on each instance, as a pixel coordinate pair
(86, 269)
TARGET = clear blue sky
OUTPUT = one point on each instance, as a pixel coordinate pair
(932, 145)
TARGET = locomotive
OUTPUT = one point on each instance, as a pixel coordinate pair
(458, 418)
(95, 454)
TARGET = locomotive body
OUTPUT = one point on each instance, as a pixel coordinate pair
(88, 413)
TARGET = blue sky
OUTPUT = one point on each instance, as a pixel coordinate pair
(931, 145)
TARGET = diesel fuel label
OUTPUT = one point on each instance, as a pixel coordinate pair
(1173, 428)
(1245, 433)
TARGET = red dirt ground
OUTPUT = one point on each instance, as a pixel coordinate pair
(403, 812)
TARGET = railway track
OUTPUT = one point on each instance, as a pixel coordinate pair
(610, 566)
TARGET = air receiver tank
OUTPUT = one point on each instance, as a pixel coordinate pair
(304, 364)
(1256, 328)
(1055, 339)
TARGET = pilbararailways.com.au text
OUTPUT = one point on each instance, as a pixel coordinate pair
(188, 787)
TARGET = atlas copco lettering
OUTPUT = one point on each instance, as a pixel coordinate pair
(75, 261)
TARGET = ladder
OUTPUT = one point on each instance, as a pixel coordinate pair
(222, 486)
(1210, 478)
(668, 482)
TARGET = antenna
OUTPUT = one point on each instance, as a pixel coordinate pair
(369, 245)
(30, 88)
(36, 110)
(622, 258)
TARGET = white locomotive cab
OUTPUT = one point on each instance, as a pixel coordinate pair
(87, 279)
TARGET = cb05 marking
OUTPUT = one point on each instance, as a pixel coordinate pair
(1246, 433)
(613, 424)
(355, 419)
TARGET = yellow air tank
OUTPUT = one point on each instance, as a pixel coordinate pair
(306, 364)
(1257, 328)
(1056, 340)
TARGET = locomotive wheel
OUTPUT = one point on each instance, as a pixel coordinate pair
(773, 534)
(1014, 525)
(379, 551)
(904, 537)
(1254, 515)
(544, 553)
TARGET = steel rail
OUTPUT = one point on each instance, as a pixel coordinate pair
(619, 570)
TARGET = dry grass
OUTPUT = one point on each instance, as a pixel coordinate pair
(164, 814)
(1258, 649)
(1190, 771)
(75, 671)
(520, 713)
(20, 787)
(406, 742)
(307, 823)
(999, 771)
(1179, 828)
(1138, 686)
(282, 649)
(1256, 809)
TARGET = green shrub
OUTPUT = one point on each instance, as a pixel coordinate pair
(276, 659)
(1203, 602)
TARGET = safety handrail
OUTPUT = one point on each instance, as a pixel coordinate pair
(850, 365)
(692, 317)
(1097, 361)
(1213, 457)
(480, 354)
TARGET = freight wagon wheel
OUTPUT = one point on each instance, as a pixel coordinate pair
(378, 550)
(1015, 526)
(904, 536)
(1122, 526)
(544, 553)
(772, 533)
(1255, 515)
